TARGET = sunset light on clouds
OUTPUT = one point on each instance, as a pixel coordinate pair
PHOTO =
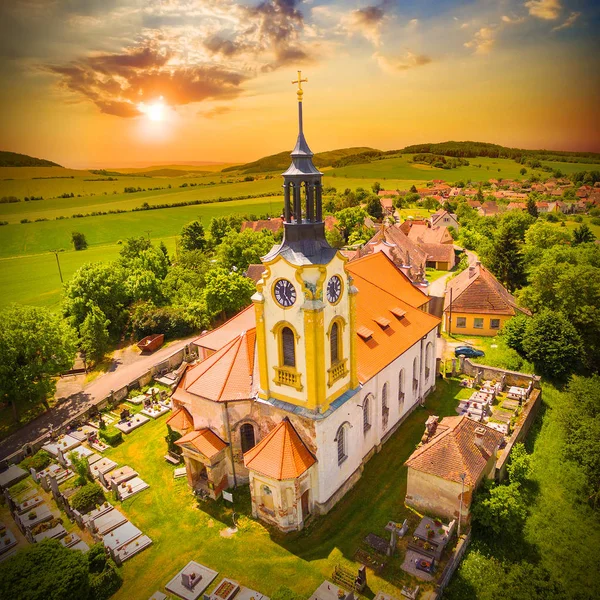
(117, 82)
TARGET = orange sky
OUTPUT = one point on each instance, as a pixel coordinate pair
(116, 85)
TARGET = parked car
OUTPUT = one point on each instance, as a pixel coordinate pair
(468, 352)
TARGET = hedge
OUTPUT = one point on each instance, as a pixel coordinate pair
(87, 498)
(103, 585)
(40, 460)
(111, 435)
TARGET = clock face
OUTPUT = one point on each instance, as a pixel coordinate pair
(285, 293)
(334, 289)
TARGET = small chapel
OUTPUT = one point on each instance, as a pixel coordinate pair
(295, 393)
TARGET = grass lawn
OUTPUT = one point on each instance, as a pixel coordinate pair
(433, 274)
(258, 556)
(497, 353)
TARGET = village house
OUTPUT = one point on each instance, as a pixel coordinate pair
(387, 205)
(488, 209)
(439, 256)
(274, 225)
(516, 206)
(476, 303)
(422, 231)
(455, 455)
(444, 218)
(294, 394)
(400, 249)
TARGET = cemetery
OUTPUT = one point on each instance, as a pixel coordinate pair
(395, 551)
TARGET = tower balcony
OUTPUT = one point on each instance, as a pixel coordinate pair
(337, 371)
(288, 376)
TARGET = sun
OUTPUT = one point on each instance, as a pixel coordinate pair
(154, 111)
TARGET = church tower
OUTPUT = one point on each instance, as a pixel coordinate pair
(305, 303)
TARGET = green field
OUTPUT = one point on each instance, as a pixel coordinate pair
(404, 168)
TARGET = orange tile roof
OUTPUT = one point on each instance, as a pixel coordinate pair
(383, 288)
(255, 272)
(439, 252)
(452, 451)
(217, 338)
(274, 224)
(226, 375)
(181, 420)
(281, 455)
(476, 290)
(204, 441)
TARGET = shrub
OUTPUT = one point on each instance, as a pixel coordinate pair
(103, 585)
(87, 497)
(111, 435)
(40, 460)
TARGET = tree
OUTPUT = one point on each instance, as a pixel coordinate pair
(350, 219)
(80, 465)
(430, 203)
(541, 236)
(220, 226)
(505, 259)
(162, 247)
(242, 249)
(192, 236)
(523, 171)
(513, 332)
(227, 292)
(479, 195)
(35, 347)
(413, 189)
(101, 285)
(374, 207)
(94, 336)
(582, 235)
(86, 498)
(335, 238)
(500, 509)
(532, 208)
(376, 187)
(552, 344)
(79, 241)
(519, 467)
(45, 571)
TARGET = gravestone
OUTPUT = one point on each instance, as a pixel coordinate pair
(189, 580)
(453, 367)
(33, 474)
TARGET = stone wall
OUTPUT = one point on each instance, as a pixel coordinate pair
(512, 377)
(113, 399)
(526, 419)
(457, 555)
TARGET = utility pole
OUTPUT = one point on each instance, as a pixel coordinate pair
(462, 476)
(58, 263)
(450, 314)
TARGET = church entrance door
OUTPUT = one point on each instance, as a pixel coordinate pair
(305, 506)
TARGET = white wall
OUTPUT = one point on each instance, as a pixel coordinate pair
(331, 475)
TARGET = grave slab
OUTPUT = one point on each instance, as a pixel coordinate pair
(330, 591)
(82, 433)
(132, 487)
(117, 476)
(11, 476)
(42, 514)
(202, 578)
(121, 536)
(108, 521)
(81, 546)
(55, 533)
(158, 596)
(105, 465)
(66, 443)
(7, 541)
(137, 399)
(133, 423)
(29, 504)
(70, 540)
(154, 413)
(134, 547)
(409, 565)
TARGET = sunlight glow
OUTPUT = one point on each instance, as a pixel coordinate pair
(154, 111)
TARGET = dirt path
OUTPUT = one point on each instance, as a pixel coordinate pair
(126, 366)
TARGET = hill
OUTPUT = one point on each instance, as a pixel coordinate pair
(474, 149)
(281, 161)
(13, 159)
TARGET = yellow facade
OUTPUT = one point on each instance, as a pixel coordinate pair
(313, 381)
(474, 323)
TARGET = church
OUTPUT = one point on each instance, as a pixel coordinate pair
(295, 393)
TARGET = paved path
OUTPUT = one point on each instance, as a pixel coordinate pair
(120, 374)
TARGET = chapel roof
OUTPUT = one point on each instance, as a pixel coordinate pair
(218, 337)
(452, 450)
(181, 420)
(281, 455)
(204, 441)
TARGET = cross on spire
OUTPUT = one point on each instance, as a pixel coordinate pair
(300, 81)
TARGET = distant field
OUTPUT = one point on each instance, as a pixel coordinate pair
(342, 182)
(404, 168)
(33, 238)
(50, 209)
(35, 279)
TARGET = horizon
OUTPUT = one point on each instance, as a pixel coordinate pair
(115, 83)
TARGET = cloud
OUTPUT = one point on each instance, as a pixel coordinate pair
(512, 20)
(366, 21)
(568, 22)
(118, 83)
(544, 9)
(215, 112)
(401, 63)
(483, 40)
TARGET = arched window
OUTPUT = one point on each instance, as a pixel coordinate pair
(367, 414)
(334, 343)
(401, 388)
(415, 374)
(385, 411)
(288, 345)
(428, 359)
(247, 437)
(341, 444)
